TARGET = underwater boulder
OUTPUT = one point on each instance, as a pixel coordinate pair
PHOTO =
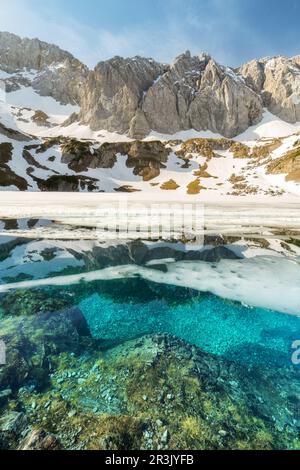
(15, 371)
(31, 341)
(40, 440)
(34, 302)
(12, 425)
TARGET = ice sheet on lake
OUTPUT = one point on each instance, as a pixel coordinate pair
(262, 281)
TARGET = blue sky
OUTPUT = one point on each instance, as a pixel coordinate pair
(233, 31)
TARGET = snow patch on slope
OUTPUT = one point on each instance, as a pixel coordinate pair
(182, 135)
(83, 132)
(28, 97)
(6, 117)
(270, 127)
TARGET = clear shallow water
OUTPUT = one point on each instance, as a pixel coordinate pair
(244, 334)
(154, 358)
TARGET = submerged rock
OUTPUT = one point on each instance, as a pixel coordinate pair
(112, 373)
(195, 400)
(33, 302)
(40, 440)
(31, 341)
(4, 396)
(12, 425)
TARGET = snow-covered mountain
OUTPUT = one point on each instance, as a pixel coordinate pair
(66, 128)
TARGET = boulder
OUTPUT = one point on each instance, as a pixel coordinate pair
(12, 425)
(40, 440)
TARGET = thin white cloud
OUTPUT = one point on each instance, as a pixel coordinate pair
(213, 30)
(92, 45)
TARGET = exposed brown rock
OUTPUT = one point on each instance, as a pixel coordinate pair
(40, 118)
(288, 164)
(7, 176)
(170, 185)
(65, 183)
(194, 187)
(40, 440)
(263, 151)
(240, 150)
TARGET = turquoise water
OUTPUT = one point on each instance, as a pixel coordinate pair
(131, 363)
(218, 326)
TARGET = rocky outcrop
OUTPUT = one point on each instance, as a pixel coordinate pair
(136, 95)
(7, 176)
(288, 164)
(224, 104)
(146, 158)
(17, 53)
(40, 440)
(62, 81)
(13, 133)
(54, 72)
(114, 90)
(198, 93)
(167, 102)
(277, 79)
(67, 183)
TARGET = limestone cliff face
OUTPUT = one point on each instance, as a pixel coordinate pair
(53, 72)
(278, 81)
(17, 53)
(63, 82)
(136, 95)
(113, 93)
(200, 94)
(167, 102)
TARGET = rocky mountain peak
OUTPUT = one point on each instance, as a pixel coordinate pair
(53, 71)
(186, 60)
(136, 95)
(277, 79)
(196, 92)
(113, 92)
(18, 53)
